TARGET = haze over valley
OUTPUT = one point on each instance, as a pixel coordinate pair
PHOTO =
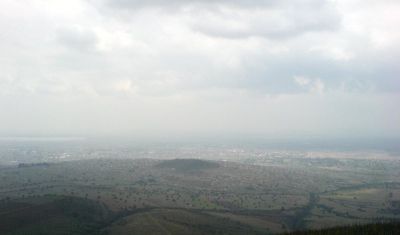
(199, 117)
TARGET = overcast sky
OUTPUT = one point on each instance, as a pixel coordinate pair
(266, 67)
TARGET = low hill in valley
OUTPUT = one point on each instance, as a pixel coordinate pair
(188, 165)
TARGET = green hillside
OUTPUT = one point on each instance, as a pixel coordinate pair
(59, 215)
(52, 215)
(178, 222)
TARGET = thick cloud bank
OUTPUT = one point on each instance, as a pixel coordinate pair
(262, 66)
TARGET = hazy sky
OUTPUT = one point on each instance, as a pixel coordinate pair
(267, 67)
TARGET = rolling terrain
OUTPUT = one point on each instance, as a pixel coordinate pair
(205, 197)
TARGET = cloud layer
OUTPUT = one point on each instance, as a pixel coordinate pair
(150, 59)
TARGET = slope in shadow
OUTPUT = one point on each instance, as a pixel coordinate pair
(52, 215)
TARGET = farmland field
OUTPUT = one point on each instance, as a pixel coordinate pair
(248, 193)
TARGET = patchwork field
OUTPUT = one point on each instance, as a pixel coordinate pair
(175, 196)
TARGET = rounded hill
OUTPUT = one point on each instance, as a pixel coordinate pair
(186, 165)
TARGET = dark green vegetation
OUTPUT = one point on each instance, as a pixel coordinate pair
(368, 229)
(189, 196)
(70, 215)
(52, 215)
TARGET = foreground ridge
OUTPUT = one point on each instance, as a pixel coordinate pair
(391, 228)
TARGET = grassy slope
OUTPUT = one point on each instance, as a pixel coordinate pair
(178, 222)
(58, 215)
(67, 215)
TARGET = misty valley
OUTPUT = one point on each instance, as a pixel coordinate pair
(199, 117)
(58, 188)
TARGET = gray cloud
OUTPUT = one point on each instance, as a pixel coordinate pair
(277, 22)
(80, 39)
(251, 65)
(134, 4)
(241, 19)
